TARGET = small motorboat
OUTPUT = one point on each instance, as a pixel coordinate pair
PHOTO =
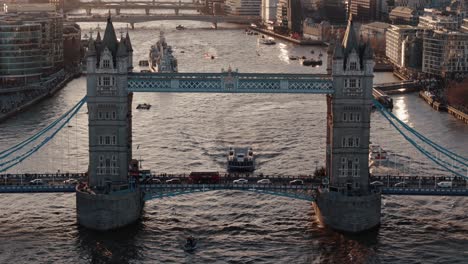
(255, 33)
(144, 63)
(144, 106)
(303, 57)
(180, 27)
(268, 41)
(311, 62)
(182, 51)
(293, 57)
(190, 244)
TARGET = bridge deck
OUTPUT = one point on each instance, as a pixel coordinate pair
(230, 82)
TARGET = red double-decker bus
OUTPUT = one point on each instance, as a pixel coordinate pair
(204, 177)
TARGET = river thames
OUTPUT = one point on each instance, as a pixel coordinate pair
(191, 132)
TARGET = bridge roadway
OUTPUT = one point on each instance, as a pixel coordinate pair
(304, 192)
(133, 19)
(387, 180)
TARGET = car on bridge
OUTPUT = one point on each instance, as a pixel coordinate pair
(401, 184)
(377, 183)
(445, 184)
(296, 182)
(156, 181)
(70, 182)
(173, 181)
(240, 181)
(264, 181)
(36, 182)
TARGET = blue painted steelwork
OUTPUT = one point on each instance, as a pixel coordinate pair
(425, 191)
(452, 156)
(4, 166)
(230, 82)
(36, 188)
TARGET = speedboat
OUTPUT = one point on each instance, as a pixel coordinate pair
(311, 62)
(240, 159)
(144, 106)
(268, 41)
(377, 153)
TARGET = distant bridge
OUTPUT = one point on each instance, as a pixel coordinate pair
(133, 19)
(140, 5)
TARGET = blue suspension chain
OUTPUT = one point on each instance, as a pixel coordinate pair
(19, 146)
(45, 141)
(427, 154)
(439, 148)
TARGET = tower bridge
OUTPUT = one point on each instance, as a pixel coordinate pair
(347, 201)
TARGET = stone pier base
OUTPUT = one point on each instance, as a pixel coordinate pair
(352, 214)
(108, 211)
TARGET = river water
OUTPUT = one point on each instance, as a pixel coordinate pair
(191, 132)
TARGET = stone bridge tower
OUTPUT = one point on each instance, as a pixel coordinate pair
(103, 206)
(349, 203)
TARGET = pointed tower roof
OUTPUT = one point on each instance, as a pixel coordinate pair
(122, 49)
(128, 43)
(110, 39)
(91, 48)
(350, 40)
(338, 52)
(98, 38)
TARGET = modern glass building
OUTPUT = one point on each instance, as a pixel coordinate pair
(31, 47)
(21, 57)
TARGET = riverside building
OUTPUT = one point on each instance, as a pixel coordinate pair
(243, 7)
(395, 37)
(445, 53)
(31, 44)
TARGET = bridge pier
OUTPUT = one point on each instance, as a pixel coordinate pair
(147, 11)
(88, 11)
(117, 11)
(215, 25)
(132, 25)
(176, 11)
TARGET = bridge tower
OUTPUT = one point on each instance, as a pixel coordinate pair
(111, 201)
(349, 203)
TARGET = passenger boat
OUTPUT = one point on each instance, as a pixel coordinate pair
(144, 106)
(180, 27)
(161, 58)
(240, 159)
(268, 41)
(376, 153)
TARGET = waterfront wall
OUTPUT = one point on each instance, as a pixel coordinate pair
(351, 214)
(108, 211)
(16, 100)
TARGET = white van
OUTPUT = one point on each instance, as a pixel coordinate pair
(444, 184)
